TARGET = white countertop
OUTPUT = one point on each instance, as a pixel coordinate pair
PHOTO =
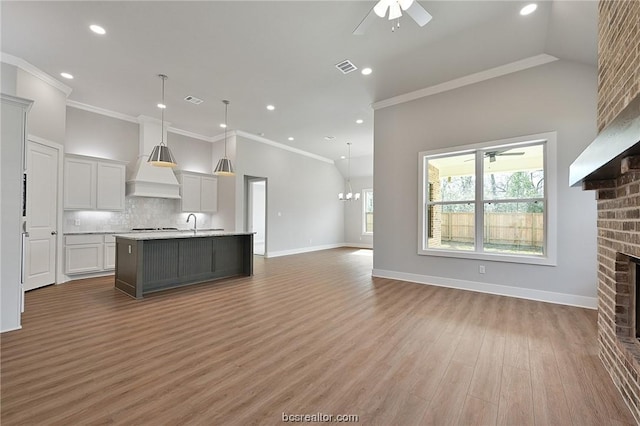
(170, 235)
(129, 231)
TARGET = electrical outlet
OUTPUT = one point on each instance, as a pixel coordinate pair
(481, 269)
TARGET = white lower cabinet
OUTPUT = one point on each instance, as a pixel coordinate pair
(109, 252)
(88, 254)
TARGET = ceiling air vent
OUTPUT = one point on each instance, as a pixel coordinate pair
(193, 100)
(346, 66)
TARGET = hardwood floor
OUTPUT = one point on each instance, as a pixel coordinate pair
(308, 333)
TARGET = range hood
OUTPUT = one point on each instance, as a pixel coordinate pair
(148, 180)
(603, 158)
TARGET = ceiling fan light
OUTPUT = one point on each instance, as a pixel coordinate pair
(405, 4)
(394, 11)
(381, 8)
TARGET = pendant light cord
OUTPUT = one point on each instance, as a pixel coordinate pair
(163, 78)
(226, 107)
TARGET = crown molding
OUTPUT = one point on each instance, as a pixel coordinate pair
(193, 135)
(279, 145)
(101, 111)
(467, 80)
(187, 133)
(35, 71)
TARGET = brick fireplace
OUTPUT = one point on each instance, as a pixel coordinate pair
(611, 167)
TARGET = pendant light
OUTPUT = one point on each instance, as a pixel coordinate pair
(349, 195)
(224, 167)
(161, 155)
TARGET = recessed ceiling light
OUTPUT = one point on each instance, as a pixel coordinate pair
(224, 126)
(66, 75)
(290, 138)
(329, 138)
(359, 121)
(97, 29)
(161, 106)
(528, 9)
(342, 157)
(366, 71)
(270, 107)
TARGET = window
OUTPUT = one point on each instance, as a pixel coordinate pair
(367, 211)
(490, 201)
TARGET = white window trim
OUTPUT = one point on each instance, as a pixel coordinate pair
(551, 214)
(364, 213)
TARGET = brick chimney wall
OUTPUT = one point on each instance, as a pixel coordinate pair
(618, 57)
(619, 201)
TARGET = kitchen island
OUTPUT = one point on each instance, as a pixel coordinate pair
(147, 262)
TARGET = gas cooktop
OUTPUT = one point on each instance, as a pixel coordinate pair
(154, 229)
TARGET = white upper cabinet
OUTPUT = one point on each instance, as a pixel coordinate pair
(79, 184)
(93, 184)
(110, 186)
(198, 192)
(209, 194)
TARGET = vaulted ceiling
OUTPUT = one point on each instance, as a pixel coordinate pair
(283, 53)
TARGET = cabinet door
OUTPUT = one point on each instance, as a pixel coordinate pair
(83, 258)
(79, 184)
(208, 194)
(190, 193)
(110, 187)
(109, 256)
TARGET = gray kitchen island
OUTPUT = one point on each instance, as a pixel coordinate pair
(153, 261)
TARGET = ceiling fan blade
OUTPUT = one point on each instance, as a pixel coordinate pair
(381, 7)
(365, 23)
(419, 14)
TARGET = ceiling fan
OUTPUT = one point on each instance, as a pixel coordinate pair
(395, 9)
(491, 155)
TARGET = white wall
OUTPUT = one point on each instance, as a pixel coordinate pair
(303, 211)
(353, 215)
(559, 96)
(47, 118)
(97, 135)
(193, 155)
(8, 77)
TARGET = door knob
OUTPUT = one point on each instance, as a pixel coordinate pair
(54, 233)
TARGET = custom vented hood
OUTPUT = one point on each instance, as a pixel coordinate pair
(148, 180)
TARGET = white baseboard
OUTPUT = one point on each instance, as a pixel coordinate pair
(11, 329)
(358, 245)
(68, 278)
(502, 290)
(270, 254)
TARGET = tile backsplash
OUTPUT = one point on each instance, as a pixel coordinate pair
(139, 212)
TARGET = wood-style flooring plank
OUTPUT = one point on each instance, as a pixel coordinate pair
(307, 333)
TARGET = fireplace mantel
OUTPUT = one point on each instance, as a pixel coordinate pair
(602, 158)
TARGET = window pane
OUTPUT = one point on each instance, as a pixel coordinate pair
(451, 227)
(368, 210)
(514, 228)
(452, 178)
(514, 173)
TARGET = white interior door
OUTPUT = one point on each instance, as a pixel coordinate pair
(257, 214)
(42, 206)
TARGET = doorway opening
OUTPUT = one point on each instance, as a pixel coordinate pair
(256, 217)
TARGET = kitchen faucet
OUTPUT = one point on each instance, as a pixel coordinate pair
(195, 222)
